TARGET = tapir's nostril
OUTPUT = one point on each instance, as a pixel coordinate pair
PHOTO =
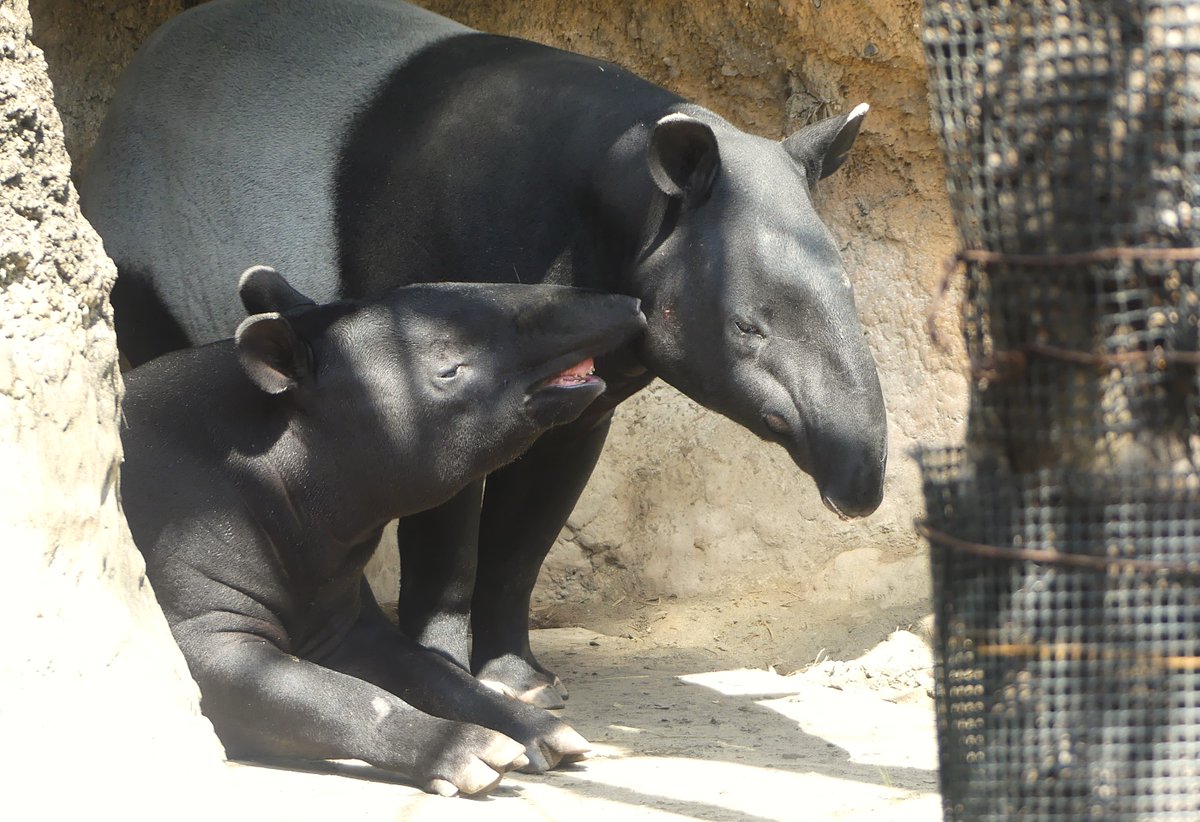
(777, 423)
(849, 506)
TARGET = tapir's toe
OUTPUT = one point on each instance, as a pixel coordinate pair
(504, 754)
(473, 762)
(520, 680)
(571, 745)
(475, 778)
(558, 747)
(442, 787)
(543, 696)
(561, 688)
(499, 687)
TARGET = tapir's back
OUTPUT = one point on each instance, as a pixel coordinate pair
(221, 146)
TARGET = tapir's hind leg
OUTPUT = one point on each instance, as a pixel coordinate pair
(524, 509)
(145, 326)
(377, 652)
(265, 703)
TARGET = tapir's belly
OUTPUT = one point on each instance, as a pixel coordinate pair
(221, 146)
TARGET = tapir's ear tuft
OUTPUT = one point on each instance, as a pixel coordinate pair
(822, 147)
(683, 158)
(263, 289)
(273, 357)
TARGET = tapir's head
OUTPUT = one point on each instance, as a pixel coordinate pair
(452, 380)
(749, 310)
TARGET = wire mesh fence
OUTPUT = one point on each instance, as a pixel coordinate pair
(1065, 532)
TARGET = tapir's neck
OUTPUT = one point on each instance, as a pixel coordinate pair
(498, 160)
(346, 493)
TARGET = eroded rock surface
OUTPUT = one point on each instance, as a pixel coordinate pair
(90, 676)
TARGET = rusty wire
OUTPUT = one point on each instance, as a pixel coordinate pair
(1051, 557)
(994, 367)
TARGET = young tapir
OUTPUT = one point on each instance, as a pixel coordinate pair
(400, 144)
(259, 471)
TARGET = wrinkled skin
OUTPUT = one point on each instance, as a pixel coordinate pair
(440, 152)
(256, 468)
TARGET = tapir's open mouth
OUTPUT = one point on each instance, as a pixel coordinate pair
(563, 386)
(563, 397)
(583, 373)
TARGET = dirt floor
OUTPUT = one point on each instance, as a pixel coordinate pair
(681, 731)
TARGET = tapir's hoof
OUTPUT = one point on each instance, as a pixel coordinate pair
(559, 747)
(474, 761)
(478, 783)
(549, 696)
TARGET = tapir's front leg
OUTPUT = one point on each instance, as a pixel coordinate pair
(375, 651)
(524, 509)
(266, 703)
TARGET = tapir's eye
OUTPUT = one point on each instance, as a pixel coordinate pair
(450, 372)
(748, 329)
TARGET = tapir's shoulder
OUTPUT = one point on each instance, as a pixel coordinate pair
(190, 407)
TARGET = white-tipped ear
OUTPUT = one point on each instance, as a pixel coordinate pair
(822, 147)
(273, 357)
(263, 289)
(683, 158)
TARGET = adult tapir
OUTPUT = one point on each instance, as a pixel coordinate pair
(259, 471)
(361, 144)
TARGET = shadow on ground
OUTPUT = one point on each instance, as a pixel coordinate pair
(735, 746)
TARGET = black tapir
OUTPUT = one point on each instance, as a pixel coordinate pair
(259, 472)
(368, 143)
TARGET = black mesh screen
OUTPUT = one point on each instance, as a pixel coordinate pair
(1065, 533)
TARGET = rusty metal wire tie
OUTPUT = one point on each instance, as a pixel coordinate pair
(1001, 364)
(957, 262)
(1099, 255)
(1054, 557)
(1079, 652)
(952, 267)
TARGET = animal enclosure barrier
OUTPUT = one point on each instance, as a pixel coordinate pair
(1065, 532)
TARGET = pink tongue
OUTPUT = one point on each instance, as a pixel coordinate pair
(575, 373)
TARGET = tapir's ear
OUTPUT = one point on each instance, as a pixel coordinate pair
(683, 158)
(264, 289)
(822, 147)
(273, 357)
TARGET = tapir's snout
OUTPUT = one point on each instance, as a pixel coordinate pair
(847, 462)
(849, 457)
(556, 322)
(562, 333)
(855, 492)
(832, 420)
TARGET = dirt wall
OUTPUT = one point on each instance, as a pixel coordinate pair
(684, 503)
(90, 676)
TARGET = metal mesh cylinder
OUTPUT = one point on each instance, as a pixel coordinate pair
(1065, 533)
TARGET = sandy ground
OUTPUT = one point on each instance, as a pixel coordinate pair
(679, 735)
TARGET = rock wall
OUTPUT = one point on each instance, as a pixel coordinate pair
(685, 503)
(90, 677)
